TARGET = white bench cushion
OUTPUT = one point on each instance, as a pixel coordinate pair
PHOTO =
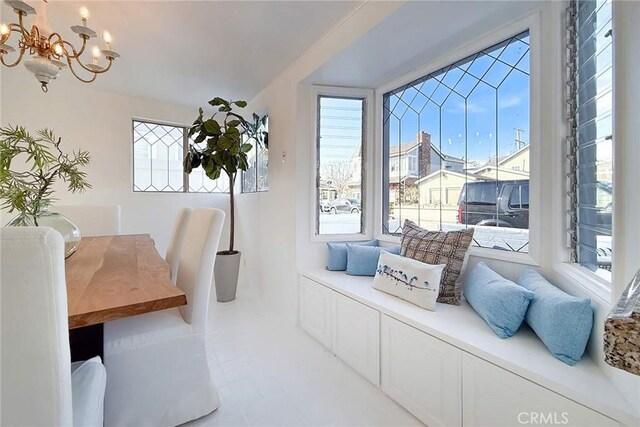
(88, 384)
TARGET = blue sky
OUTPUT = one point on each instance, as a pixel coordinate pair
(482, 116)
(478, 123)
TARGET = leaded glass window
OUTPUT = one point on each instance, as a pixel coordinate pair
(256, 178)
(158, 153)
(456, 148)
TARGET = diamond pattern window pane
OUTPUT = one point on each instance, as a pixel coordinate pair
(457, 144)
(158, 153)
(157, 160)
(256, 177)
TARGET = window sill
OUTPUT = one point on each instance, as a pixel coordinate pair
(328, 238)
(592, 284)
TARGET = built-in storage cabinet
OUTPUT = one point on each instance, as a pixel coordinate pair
(421, 373)
(356, 336)
(351, 330)
(436, 380)
(315, 311)
(493, 396)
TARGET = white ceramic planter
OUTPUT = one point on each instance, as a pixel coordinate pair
(226, 276)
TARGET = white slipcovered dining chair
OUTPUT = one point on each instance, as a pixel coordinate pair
(93, 220)
(157, 362)
(177, 238)
(39, 384)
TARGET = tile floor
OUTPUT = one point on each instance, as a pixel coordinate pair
(270, 373)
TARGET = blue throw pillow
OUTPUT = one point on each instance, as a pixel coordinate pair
(500, 302)
(338, 254)
(563, 322)
(363, 260)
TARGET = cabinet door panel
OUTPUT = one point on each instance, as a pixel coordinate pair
(315, 310)
(356, 336)
(421, 373)
(493, 396)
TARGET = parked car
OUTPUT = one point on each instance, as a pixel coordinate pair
(324, 206)
(495, 203)
(506, 204)
(345, 206)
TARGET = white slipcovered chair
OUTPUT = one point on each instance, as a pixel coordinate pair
(93, 220)
(177, 239)
(157, 362)
(39, 384)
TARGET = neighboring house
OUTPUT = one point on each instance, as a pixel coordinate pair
(410, 161)
(328, 193)
(439, 191)
(512, 166)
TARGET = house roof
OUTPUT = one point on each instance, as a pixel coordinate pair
(500, 160)
(403, 148)
(515, 153)
(409, 146)
(441, 171)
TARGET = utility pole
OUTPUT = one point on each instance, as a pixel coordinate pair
(519, 141)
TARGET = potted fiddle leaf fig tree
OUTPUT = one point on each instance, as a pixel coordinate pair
(220, 144)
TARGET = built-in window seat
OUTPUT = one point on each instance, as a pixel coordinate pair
(447, 367)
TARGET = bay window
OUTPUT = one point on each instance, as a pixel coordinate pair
(456, 148)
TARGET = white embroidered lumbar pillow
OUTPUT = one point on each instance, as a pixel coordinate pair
(406, 278)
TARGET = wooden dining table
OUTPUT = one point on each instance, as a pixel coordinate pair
(112, 277)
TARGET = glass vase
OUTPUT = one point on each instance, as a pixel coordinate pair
(70, 232)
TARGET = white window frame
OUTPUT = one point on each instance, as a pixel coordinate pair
(367, 203)
(531, 23)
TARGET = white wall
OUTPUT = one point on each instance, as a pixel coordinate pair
(283, 212)
(100, 122)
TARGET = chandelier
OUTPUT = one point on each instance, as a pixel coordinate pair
(49, 52)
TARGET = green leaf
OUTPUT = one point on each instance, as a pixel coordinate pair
(212, 143)
(233, 123)
(212, 127)
(194, 129)
(200, 138)
(246, 148)
(233, 133)
(225, 143)
(241, 104)
(218, 101)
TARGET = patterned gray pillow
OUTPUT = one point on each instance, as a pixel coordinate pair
(439, 247)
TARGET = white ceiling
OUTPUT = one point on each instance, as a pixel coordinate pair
(187, 52)
(418, 32)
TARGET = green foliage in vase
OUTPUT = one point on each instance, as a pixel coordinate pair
(28, 190)
(218, 146)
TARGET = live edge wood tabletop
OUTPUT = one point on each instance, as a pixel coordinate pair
(111, 277)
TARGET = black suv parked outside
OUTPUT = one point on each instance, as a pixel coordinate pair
(495, 203)
(506, 204)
